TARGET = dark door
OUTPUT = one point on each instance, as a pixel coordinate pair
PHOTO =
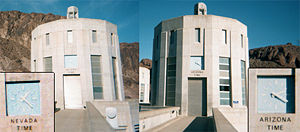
(197, 97)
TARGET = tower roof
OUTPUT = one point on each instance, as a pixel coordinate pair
(72, 12)
(200, 9)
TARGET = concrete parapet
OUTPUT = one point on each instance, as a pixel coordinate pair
(154, 117)
(229, 119)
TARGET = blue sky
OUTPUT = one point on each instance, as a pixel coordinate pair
(269, 22)
(120, 12)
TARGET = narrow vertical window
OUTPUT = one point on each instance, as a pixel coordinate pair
(172, 37)
(224, 36)
(224, 81)
(47, 39)
(197, 35)
(242, 41)
(171, 81)
(97, 76)
(70, 36)
(114, 64)
(94, 36)
(203, 37)
(142, 92)
(48, 64)
(34, 62)
(243, 78)
(112, 39)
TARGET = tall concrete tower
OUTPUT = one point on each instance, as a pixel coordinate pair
(84, 54)
(199, 63)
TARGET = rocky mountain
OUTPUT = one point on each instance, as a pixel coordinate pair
(146, 63)
(130, 69)
(15, 39)
(278, 56)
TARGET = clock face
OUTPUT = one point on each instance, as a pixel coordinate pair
(23, 99)
(275, 95)
(196, 63)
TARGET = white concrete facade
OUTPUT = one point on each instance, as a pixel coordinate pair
(144, 85)
(211, 47)
(81, 38)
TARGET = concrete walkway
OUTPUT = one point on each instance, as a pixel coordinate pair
(187, 124)
(75, 120)
(176, 125)
(202, 124)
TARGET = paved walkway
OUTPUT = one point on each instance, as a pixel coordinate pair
(176, 125)
(75, 120)
(187, 124)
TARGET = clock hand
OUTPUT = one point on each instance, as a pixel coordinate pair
(26, 94)
(197, 63)
(28, 103)
(274, 94)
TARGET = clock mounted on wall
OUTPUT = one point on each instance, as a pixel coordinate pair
(23, 98)
(275, 94)
(196, 63)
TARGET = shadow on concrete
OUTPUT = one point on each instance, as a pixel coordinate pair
(202, 124)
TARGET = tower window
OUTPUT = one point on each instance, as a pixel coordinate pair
(112, 38)
(94, 36)
(47, 39)
(70, 61)
(224, 36)
(173, 37)
(70, 36)
(115, 75)
(197, 35)
(242, 40)
(224, 81)
(97, 76)
(48, 64)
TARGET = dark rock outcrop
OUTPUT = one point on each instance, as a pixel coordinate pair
(279, 56)
(146, 63)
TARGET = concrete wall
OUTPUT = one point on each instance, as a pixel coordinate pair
(96, 119)
(211, 47)
(221, 122)
(236, 117)
(255, 122)
(156, 117)
(83, 47)
(45, 121)
(125, 116)
(144, 78)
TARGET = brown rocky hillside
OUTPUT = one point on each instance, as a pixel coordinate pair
(15, 39)
(278, 56)
(130, 69)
